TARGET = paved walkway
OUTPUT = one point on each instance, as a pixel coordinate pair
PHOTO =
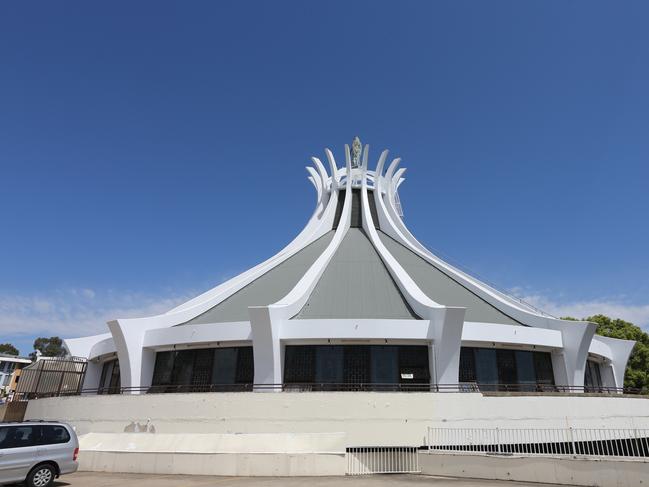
(87, 479)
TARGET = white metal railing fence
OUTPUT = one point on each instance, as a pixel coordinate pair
(618, 442)
(397, 204)
(382, 459)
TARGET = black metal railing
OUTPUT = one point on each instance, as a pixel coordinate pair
(531, 389)
(620, 442)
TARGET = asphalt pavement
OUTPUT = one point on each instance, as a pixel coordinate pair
(91, 479)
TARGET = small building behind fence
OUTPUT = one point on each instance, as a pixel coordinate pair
(51, 376)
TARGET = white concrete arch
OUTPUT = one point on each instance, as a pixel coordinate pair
(267, 321)
(398, 179)
(319, 187)
(322, 172)
(445, 322)
(617, 353)
(333, 168)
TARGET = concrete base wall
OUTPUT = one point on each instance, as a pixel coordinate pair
(367, 418)
(563, 471)
(286, 454)
(228, 464)
(306, 433)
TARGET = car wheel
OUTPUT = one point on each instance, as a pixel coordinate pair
(41, 476)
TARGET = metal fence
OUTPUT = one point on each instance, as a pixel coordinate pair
(51, 377)
(604, 442)
(382, 459)
(359, 387)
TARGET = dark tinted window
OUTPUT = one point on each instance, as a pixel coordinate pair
(245, 366)
(53, 435)
(385, 365)
(104, 373)
(507, 373)
(356, 364)
(203, 369)
(522, 369)
(183, 368)
(593, 377)
(224, 367)
(543, 366)
(329, 364)
(17, 436)
(486, 366)
(115, 380)
(164, 363)
(109, 382)
(525, 373)
(467, 365)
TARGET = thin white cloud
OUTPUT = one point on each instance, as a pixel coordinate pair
(76, 312)
(637, 314)
(83, 312)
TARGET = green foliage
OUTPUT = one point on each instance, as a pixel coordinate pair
(637, 369)
(49, 347)
(8, 349)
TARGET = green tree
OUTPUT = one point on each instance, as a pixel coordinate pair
(637, 369)
(49, 347)
(8, 348)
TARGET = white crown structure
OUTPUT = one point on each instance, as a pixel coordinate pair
(354, 274)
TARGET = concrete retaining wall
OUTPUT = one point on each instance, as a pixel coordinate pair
(228, 464)
(563, 471)
(214, 454)
(175, 421)
(367, 418)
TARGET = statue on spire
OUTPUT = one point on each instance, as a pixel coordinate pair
(356, 152)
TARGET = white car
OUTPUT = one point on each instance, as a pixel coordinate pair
(37, 452)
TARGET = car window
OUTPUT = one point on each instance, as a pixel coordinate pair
(53, 434)
(17, 436)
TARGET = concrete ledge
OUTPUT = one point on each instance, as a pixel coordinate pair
(283, 454)
(224, 464)
(562, 471)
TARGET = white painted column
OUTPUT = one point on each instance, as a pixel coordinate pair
(445, 333)
(82, 347)
(136, 363)
(266, 347)
(576, 337)
(620, 353)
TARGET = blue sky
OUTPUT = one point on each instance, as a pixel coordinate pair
(150, 150)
